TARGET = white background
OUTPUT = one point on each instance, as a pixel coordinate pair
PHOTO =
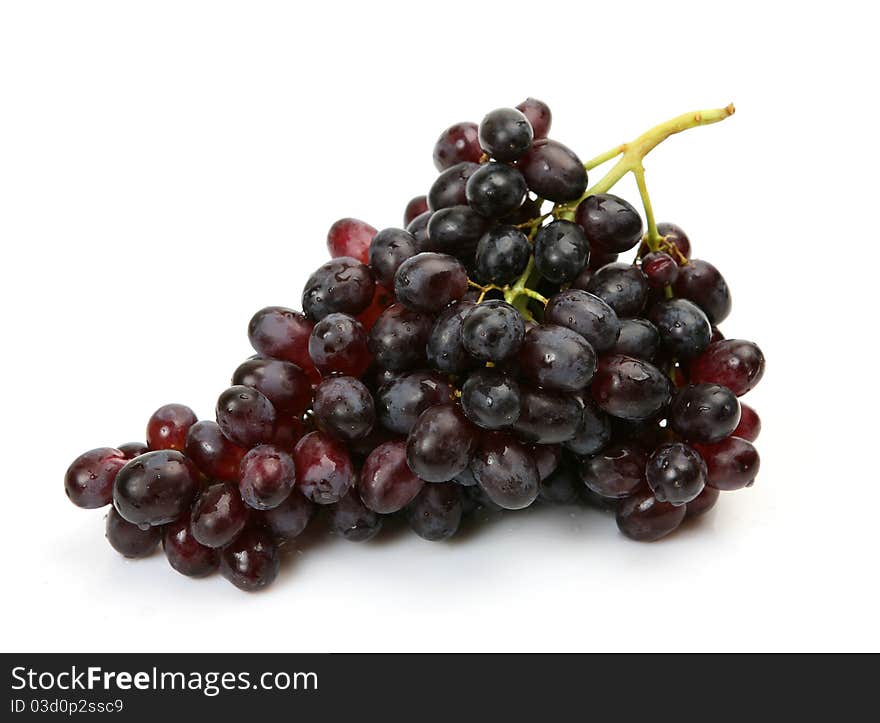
(168, 168)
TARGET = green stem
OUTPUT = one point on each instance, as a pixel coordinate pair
(634, 152)
(652, 238)
(535, 222)
(603, 157)
(532, 294)
(631, 156)
(519, 294)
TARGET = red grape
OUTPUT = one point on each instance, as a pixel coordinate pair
(386, 482)
(733, 463)
(212, 452)
(644, 518)
(323, 468)
(267, 477)
(88, 482)
(186, 554)
(168, 427)
(218, 515)
(733, 363)
(350, 237)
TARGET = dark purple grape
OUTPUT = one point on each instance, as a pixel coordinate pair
(246, 416)
(377, 378)
(338, 345)
(350, 237)
(427, 282)
(474, 295)
(88, 481)
(400, 403)
(704, 413)
(399, 338)
(561, 251)
(495, 190)
(610, 223)
(615, 472)
(676, 473)
(553, 171)
(455, 231)
(128, 539)
(732, 463)
(267, 477)
(529, 211)
(130, 450)
(382, 299)
(685, 331)
(557, 358)
(630, 388)
(598, 259)
(288, 432)
(673, 235)
(343, 285)
(749, 426)
(155, 488)
(733, 363)
(546, 417)
(418, 227)
(622, 286)
(502, 255)
(388, 250)
(186, 554)
(638, 338)
(449, 187)
(585, 314)
(475, 500)
(280, 333)
(445, 350)
(505, 134)
(281, 382)
(538, 114)
(344, 408)
(252, 561)
(289, 519)
(593, 431)
(435, 513)
(491, 399)
(492, 331)
(702, 503)
(546, 457)
(644, 518)
(456, 144)
(323, 468)
(386, 483)
(416, 207)
(660, 269)
(703, 284)
(646, 432)
(561, 486)
(212, 453)
(168, 427)
(440, 444)
(505, 471)
(352, 521)
(218, 515)
(591, 499)
(466, 478)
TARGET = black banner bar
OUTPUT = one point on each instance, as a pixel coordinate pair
(424, 687)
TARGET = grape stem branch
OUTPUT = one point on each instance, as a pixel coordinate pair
(631, 156)
(630, 159)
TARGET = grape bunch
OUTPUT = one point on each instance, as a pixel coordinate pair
(493, 353)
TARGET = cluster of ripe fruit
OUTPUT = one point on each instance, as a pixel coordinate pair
(492, 353)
